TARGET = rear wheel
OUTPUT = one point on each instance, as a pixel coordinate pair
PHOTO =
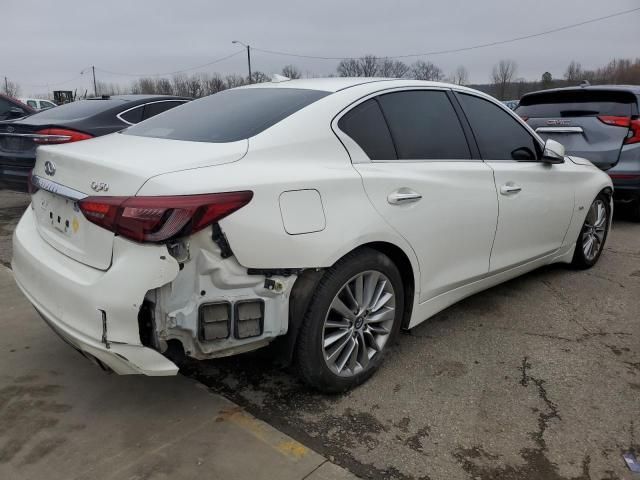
(593, 234)
(352, 320)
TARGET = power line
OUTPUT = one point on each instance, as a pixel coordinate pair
(461, 49)
(170, 73)
(51, 83)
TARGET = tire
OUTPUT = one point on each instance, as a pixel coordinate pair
(593, 234)
(331, 322)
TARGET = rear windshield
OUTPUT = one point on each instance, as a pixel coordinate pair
(227, 116)
(576, 103)
(76, 110)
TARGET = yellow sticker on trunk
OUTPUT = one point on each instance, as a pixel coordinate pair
(75, 224)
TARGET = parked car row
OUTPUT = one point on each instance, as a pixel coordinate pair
(600, 123)
(324, 214)
(68, 123)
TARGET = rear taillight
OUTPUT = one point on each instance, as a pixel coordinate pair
(633, 136)
(158, 219)
(54, 136)
(624, 176)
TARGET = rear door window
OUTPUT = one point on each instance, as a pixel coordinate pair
(498, 134)
(576, 103)
(32, 103)
(153, 109)
(133, 115)
(366, 125)
(227, 116)
(424, 125)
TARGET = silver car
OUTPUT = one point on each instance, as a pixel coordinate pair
(599, 123)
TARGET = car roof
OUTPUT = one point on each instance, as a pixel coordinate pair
(138, 97)
(329, 84)
(335, 84)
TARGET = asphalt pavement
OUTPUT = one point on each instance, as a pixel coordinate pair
(538, 378)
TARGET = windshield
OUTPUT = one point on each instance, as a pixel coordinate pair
(227, 116)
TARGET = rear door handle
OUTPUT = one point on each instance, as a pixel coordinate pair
(510, 189)
(402, 196)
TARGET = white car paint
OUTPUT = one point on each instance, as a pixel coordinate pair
(461, 237)
(38, 103)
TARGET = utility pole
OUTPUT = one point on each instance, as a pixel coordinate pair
(248, 47)
(249, 62)
(95, 88)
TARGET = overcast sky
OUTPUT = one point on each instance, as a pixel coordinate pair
(47, 42)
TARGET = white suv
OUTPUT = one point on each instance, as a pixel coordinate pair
(327, 212)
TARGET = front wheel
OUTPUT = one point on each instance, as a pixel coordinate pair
(593, 235)
(352, 320)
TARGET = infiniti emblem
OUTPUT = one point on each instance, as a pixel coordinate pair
(10, 129)
(49, 168)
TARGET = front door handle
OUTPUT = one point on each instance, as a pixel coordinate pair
(402, 196)
(509, 189)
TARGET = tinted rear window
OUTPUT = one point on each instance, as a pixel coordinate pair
(227, 116)
(424, 125)
(367, 127)
(576, 103)
(76, 110)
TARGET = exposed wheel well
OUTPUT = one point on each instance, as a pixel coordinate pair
(403, 263)
(306, 283)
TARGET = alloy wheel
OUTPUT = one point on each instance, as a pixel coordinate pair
(358, 323)
(595, 227)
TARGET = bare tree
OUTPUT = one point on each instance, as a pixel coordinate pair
(259, 77)
(144, 85)
(502, 76)
(349, 68)
(573, 72)
(392, 68)
(109, 88)
(460, 76)
(181, 85)
(422, 70)
(163, 86)
(214, 84)
(12, 89)
(291, 72)
(369, 65)
(234, 80)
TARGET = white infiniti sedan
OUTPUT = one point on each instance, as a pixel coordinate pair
(324, 213)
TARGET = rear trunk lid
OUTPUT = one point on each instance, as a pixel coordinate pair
(17, 148)
(113, 165)
(577, 118)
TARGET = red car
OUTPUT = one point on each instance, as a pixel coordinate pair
(10, 108)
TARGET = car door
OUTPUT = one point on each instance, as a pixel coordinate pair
(419, 173)
(535, 199)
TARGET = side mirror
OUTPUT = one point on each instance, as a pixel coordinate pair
(553, 152)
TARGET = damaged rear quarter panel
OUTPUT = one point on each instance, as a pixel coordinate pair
(208, 278)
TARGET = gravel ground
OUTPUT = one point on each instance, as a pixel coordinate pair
(538, 378)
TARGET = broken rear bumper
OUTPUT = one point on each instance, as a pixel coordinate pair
(71, 297)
